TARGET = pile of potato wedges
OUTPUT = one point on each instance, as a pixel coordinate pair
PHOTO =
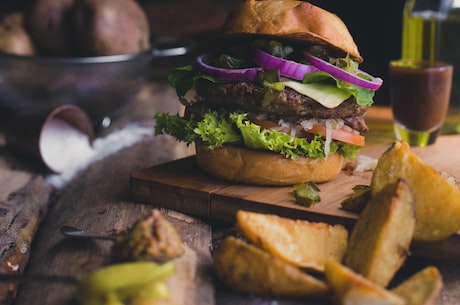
(406, 201)
(75, 28)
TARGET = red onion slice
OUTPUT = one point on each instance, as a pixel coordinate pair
(287, 68)
(248, 74)
(343, 75)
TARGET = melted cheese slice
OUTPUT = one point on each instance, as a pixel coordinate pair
(326, 95)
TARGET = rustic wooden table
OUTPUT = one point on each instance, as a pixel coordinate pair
(34, 204)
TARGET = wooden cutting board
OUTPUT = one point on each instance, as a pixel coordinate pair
(180, 185)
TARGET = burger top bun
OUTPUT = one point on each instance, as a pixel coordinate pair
(294, 20)
(242, 165)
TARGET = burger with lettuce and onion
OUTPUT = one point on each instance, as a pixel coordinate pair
(282, 102)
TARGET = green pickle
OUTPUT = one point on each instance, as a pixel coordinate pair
(306, 194)
(358, 200)
(127, 283)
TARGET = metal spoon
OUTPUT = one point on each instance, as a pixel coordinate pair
(73, 232)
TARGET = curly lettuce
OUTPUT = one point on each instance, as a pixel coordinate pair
(216, 130)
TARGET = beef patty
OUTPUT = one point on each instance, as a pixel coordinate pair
(250, 96)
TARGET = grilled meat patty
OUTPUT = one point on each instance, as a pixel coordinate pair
(288, 103)
(250, 96)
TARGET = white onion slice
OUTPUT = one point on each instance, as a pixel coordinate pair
(287, 68)
(327, 142)
(248, 74)
(348, 77)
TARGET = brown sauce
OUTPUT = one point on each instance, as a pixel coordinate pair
(419, 94)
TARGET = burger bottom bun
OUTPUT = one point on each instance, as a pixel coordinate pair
(247, 166)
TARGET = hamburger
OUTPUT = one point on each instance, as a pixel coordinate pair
(281, 102)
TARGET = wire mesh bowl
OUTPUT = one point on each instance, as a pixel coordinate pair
(102, 85)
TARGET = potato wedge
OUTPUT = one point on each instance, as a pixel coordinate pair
(380, 239)
(299, 242)
(246, 268)
(422, 288)
(437, 201)
(349, 287)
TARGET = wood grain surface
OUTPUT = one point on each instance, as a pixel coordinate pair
(21, 212)
(181, 185)
(193, 191)
(100, 205)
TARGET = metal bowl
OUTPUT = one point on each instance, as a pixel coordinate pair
(101, 86)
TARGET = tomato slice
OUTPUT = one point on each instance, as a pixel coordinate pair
(340, 135)
(343, 135)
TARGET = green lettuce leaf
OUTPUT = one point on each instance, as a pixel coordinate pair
(183, 79)
(291, 147)
(364, 97)
(176, 126)
(215, 130)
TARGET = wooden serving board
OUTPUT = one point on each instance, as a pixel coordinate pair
(180, 185)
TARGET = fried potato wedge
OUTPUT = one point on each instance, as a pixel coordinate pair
(422, 288)
(299, 242)
(380, 239)
(437, 201)
(349, 287)
(246, 268)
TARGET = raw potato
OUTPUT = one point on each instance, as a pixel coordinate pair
(349, 287)
(380, 239)
(49, 22)
(247, 269)
(109, 27)
(423, 288)
(299, 242)
(14, 39)
(437, 201)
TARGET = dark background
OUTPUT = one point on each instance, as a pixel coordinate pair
(376, 27)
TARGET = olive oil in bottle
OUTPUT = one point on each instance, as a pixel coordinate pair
(419, 36)
(431, 31)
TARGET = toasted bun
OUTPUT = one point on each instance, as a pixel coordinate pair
(249, 166)
(294, 20)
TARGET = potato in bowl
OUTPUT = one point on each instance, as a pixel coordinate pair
(94, 54)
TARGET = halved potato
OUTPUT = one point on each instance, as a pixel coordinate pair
(349, 287)
(437, 201)
(422, 288)
(380, 239)
(247, 269)
(300, 242)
